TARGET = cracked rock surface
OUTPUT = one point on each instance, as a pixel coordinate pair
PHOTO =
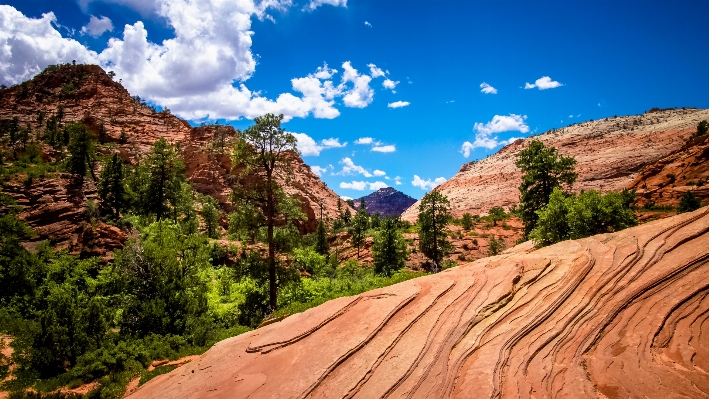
(612, 316)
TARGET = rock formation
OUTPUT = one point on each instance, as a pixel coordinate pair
(664, 182)
(610, 153)
(387, 201)
(87, 94)
(614, 315)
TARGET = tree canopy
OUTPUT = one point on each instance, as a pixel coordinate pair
(434, 216)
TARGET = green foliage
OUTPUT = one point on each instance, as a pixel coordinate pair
(359, 227)
(434, 216)
(389, 249)
(81, 150)
(544, 169)
(495, 246)
(159, 280)
(702, 128)
(322, 246)
(311, 261)
(210, 216)
(467, 221)
(244, 222)
(569, 216)
(689, 202)
(111, 187)
(497, 214)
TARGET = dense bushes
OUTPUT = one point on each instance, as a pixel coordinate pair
(569, 216)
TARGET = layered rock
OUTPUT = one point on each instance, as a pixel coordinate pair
(386, 201)
(665, 182)
(610, 154)
(614, 315)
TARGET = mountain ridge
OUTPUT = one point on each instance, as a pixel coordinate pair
(387, 201)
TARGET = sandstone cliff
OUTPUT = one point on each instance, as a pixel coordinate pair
(86, 93)
(614, 315)
(610, 153)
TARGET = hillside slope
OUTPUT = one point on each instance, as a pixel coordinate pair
(614, 315)
(610, 153)
(386, 201)
(87, 94)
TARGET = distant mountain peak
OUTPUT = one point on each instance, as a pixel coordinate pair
(387, 201)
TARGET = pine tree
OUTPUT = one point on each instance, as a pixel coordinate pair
(210, 215)
(322, 246)
(165, 178)
(81, 150)
(389, 248)
(544, 170)
(359, 228)
(434, 216)
(111, 188)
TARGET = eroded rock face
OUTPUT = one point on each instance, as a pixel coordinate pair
(614, 315)
(610, 153)
(665, 182)
(386, 201)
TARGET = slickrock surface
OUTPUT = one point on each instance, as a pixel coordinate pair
(610, 153)
(388, 201)
(667, 180)
(612, 316)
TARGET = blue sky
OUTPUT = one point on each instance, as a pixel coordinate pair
(586, 59)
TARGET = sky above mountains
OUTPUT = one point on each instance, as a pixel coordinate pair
(379, 92)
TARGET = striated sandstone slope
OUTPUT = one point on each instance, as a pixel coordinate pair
(610, 153)
(611, 316)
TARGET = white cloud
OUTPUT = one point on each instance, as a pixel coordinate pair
(318, 170)
(28, 45)
(427, 184)
(398, 104)
(97, 26)
(487, 89)
(543, 83)
(377, 185)
(390, 84)
(355, 185)
(364, 140)
(384, 148)
(345, 198)
(349, 168)
(317, 3)
(378, 172)
(498, 124)
(375, 72)
(397, 180)
(571, 116)
(324, 72)
(361, 94)
(309, 147)
(367, 23)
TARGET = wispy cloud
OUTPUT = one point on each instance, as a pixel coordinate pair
(487, 89)
(500, 123)
(309, 147)
(363, 185)
(367, 23)
(427, 184)
(399, 104)
(384, 148)
(349, 168)
(317, 3)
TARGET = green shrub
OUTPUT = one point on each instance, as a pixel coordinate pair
(689, 202)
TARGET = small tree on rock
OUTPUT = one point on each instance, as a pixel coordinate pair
(689, 202)
(434, 216)
(81, 150)
(111, 188)
(389, 248)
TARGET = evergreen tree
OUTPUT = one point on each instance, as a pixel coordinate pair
(467, 221)
(375, 220)
(689, 202)
(322, 246)
(102, 134)
(433, 219)
(210, 215)
(389, 248)
(111, 188)
(496, 214)
(347, 216)
(123, 138)
(259, 157)
(165, 175)
(544, 169)
(81, 150)
(359, 228)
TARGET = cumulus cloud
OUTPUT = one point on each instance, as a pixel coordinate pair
(384, 148)
(367, 23)
(427, 184)
(198, 73)
(398, 104)
(484, 132)
(364, 140)
(28, 45)
(309, 147)
(363, 185)
(378, 172)
(397, 180)
(390, 84)
(487, 89)
(543, 83)
(97, 26)
(318, 170)
(317, 3)
(349, 168)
